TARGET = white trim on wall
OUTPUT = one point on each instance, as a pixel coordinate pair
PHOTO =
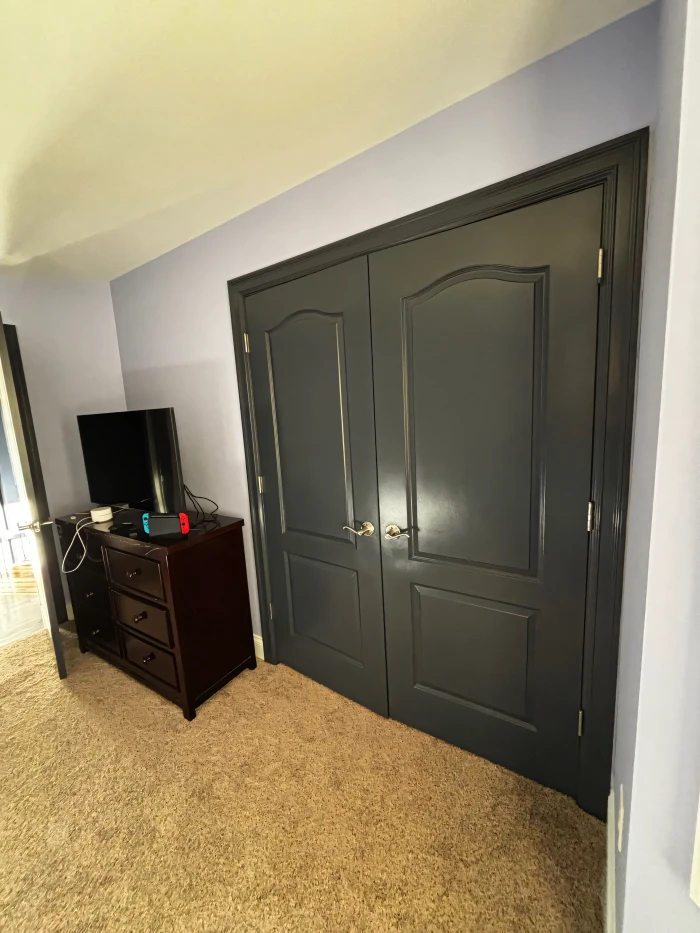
(610, 911)
(259, 649)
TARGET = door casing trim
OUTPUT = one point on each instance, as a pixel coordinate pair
(620, 166)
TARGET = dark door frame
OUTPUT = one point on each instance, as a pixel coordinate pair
(20, 414)
(620, 167)
(42, 503)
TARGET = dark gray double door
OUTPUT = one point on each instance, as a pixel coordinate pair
(444, 386)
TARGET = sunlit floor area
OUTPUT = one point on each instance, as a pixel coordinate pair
(20, 615)
(282, 806)
(20, 609)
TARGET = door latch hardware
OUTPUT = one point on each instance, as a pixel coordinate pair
(261, 484)
(366, 530)
(393, 531)
(246, 343)
(34, 526)
(601, 253)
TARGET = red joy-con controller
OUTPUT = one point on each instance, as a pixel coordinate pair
(184, 523)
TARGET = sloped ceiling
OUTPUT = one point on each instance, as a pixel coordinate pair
(131, 126)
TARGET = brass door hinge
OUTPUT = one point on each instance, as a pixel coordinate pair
(601, 253)
(580, 723)
(271, 611)
(261, 484)
(590, 523)
(246, 343)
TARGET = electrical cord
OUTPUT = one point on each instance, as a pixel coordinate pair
(206, 519)
(80, 526)
(193, 503)
(215, 510)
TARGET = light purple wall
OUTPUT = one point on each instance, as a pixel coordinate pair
(172, 314)
(665, 745)
(68, 343)
(662, 187)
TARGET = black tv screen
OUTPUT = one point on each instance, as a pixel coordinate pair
(133, 457)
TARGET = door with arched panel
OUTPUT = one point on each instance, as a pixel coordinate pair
(311, 369)
(484, 344)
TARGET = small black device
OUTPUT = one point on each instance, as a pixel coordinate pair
(164, 524)
(124, 528)
(133, 457)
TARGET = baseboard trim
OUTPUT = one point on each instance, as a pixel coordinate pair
(610, 911)
(259, 649)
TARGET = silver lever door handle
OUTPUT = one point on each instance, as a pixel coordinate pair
(393, 531)
(366, 529)
(34, 526)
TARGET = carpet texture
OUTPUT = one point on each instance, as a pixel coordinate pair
(282, 807)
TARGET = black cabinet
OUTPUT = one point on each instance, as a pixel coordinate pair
(173, 613)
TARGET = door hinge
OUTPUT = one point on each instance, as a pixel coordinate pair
(261, 484)
(272, 612)
(580, 723)
(601, 253)
(246, 343)
(590, 523)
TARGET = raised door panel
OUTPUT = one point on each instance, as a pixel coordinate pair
(474, 651)
(324, 604)
(475, 483)
(311, 369)
(308, 388)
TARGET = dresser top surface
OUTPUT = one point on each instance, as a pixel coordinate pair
(126, 528)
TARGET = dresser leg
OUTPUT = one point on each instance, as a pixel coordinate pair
(253, 663)
(189, 712)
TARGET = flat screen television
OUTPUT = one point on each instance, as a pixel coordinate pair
(133, 457)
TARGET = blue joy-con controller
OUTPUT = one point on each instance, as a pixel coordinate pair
(145, 522)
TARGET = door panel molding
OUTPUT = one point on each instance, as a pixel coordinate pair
(349, 601)
(620, 167)
(538, 278)
(512, 681)
(336, 321)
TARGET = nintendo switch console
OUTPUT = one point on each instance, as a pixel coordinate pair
(166, 524)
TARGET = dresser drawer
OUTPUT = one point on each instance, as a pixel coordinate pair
(89, 590)
(136, 573)
(98, 629)
(150, 661)
(150, 620)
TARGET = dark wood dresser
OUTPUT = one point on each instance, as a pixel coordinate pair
(173, 613)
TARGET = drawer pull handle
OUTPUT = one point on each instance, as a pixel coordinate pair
(89, 594)
(148, 657)
(95, 631)
(141, 616)
(130, 574)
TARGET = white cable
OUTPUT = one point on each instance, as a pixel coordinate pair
(78, 528)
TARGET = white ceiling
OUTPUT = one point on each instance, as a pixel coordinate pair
(131, 126)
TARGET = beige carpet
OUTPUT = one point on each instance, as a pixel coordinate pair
(282, 807)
